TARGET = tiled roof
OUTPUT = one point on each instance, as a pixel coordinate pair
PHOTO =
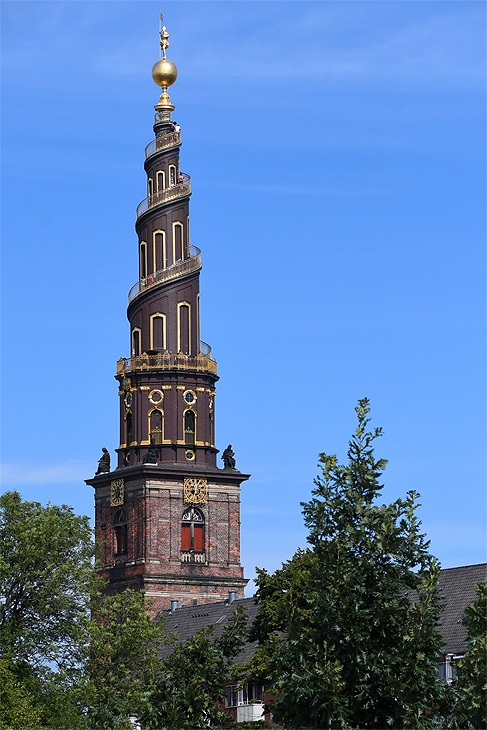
(187, 620)
(457, 586)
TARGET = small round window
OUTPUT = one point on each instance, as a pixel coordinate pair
(156, 396)
(189, 396)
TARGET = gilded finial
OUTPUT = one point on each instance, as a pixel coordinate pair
(163, 36)
(164, 72)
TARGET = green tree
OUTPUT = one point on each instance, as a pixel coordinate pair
(17, 709)
(124, 657)
(341, 641)
(472, 669)
(190, 684)
(465, 703)
(46, 556)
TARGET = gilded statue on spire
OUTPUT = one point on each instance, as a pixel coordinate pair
(163, 36)
(164, 72)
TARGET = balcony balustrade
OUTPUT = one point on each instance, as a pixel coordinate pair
(162, 142)
(169, 361)
(163, 196)
(190, 557)
(193, 263)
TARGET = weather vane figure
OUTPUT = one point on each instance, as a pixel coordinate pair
(163, 35)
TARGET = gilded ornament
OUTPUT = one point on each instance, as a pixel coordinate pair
(195, 490)
(117, 493)
(156, 396)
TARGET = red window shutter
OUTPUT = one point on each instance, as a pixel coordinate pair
(198, 538)
(185, 537)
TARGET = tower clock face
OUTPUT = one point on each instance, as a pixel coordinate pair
(195, 490)
(117, 492)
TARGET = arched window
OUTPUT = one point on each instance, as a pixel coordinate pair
(128, 428)
(120, 528)
(136, 341)
(184, 328)
(189, 427)
(143, 259)
(156, 425)
(160, 180)
(158, 250)
(172, 175)
(212, 423)
(177, 241)
(150, 187)
(158, 331)
(193, 531)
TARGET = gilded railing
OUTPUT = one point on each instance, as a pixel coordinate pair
(160, 143)
(162, 196)
(170, 272)
(167, 361)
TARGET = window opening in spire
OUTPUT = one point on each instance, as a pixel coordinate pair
(120, 528)
(156, 425)
(189, 427)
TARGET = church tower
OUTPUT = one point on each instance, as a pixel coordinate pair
(167, 518)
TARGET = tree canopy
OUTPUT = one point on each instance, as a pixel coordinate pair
(45, 573)
(46, 566)
(124, 657)
(189, 690)
(341, 641)
(76, 657)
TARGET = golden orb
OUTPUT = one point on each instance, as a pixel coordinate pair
(164, 73)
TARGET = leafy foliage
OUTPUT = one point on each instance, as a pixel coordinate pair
(123, 660)
(472, 669)
(45, 572)
(340, 639)
(190, 684)
(465, 703)
(17, 707)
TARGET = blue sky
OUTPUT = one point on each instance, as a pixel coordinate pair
(337, 155)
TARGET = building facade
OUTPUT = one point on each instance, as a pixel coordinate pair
(167, 517)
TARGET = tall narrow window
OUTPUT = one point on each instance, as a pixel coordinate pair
(120, 529)
(156, 425)
(189, 427)
(135, 342)
(128, 428)
(172, 174)
(212, 424)
(198, 335)
(150, 187)
(158, 331)
(177, 241)
(193, 531)
(158, 251)
(184, 328)
(160, 180)
(143, 259)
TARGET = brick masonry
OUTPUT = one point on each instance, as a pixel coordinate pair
(153, 561)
